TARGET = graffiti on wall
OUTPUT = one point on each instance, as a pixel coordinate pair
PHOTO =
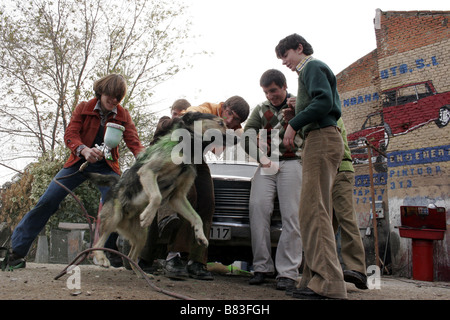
(404, 68)
(405, 108)
(407, 165)
(419, 156)
(360, 99)
(413, 105)
(361, 192)
(404, 167)
(405, 177)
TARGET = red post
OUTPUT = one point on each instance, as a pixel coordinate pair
(422, 260)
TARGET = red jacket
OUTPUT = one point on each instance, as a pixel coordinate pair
(83, 128)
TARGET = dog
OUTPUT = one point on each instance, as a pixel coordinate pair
(162, 174)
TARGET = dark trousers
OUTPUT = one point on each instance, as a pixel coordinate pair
(205, 205)
(35, 220)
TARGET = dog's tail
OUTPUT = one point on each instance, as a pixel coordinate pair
(104, 180)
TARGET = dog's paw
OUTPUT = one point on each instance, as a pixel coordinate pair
(201, 239)
(203, 242)
(101, 260)
(145, 219)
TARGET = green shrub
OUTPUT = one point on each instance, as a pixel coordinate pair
(21, 196)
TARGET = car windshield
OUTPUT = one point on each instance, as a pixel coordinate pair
(406, 94)
(373, 120)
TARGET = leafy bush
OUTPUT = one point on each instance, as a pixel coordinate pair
(15, 200)
(22, 195)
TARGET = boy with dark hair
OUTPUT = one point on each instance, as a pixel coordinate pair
(233, 111)
(316, 113)
(283, 179)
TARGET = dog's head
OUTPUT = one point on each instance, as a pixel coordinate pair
(209, 128)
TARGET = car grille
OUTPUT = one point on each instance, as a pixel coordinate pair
(232, 202)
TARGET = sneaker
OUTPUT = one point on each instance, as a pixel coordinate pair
(13, 261)
(285, 284)
(258, 278)
(115, 260)
(175, 269)
(148, 267)
(198, 271)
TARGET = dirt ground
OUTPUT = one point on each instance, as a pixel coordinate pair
(89, 282)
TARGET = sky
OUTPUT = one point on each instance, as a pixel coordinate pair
(241, 36)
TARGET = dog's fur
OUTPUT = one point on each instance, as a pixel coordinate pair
(154, 179)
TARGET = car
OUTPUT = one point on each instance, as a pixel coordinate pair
(410, 106)
(230, 237)
(405, 108)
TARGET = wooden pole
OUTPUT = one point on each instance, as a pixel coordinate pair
(374, 214)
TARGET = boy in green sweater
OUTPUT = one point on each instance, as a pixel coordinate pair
(316, 113)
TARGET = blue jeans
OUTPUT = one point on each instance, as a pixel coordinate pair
(35, 220)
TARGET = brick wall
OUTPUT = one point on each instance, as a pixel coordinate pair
(396, 97)
(358, 90)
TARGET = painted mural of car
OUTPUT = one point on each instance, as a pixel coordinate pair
(373, 131)
(411, 106)
(405, 108)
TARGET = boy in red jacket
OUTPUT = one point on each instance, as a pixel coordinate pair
(86, 129)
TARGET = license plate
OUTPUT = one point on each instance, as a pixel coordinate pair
(220, 233)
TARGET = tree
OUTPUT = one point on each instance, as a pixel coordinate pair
(52, 51)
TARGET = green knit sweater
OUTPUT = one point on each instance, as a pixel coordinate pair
(265, 116)
(318, 103)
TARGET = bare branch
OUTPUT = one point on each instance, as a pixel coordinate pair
(52, 51)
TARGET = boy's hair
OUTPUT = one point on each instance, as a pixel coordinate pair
(238, 105)
(180, 104)
(272, 75)
(113, 85)
(292, 42)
